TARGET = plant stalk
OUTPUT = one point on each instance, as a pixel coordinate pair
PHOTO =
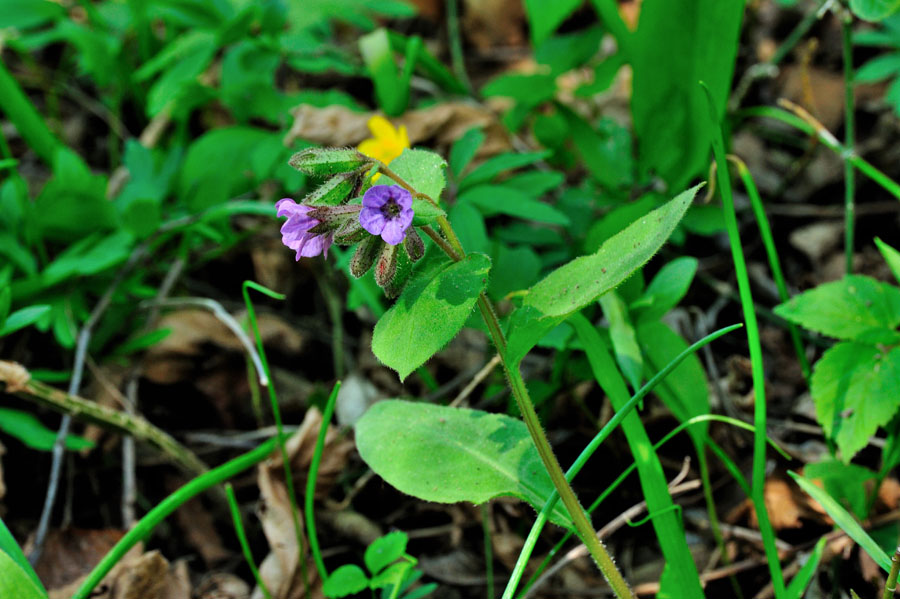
(890, 587)
(849, 135)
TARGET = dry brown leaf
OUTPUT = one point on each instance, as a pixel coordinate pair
(784, 505)
(889, 493)
(71, 553)
(494, 23)
(437, 126)
(279, 570)
(222, 585)
(14, 375)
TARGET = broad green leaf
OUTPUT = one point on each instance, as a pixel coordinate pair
(855, 389)
(9, 546)
(676, 45)
(385, 550)
(578, 283)
(623, 338)
(349, 579)
(469, 226)
(891, 256)
(23, 318)
(15, 583)
(668, 287)
(874, 10)
(605, 149)
(880, 67)
(448, 455)
(564, 52)
(30, 431)
(422, 169)
(514, 269)
(854, 308)
(464, 149)
(73, 203)
(429, 313)
(844, 521)
(499, 199)
(544, 17)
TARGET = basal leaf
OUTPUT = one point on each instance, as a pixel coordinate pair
(422, 169)
(676, 45)
(448, 455)
(429, 313)
(854, 308)
(385, 550)
(855, 389)
(349, 579)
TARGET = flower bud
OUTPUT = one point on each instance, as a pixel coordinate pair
(351, 232)
(365, 255)
(413, 244)
(401, 276)
(386, 266)
(334, 191)
(324, 162)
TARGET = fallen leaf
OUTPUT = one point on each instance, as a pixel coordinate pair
(221, 585)
(494, 23)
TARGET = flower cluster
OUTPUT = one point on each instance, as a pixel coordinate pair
(381, 223)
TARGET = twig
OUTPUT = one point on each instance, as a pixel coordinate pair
(476, 380)
(17, 382)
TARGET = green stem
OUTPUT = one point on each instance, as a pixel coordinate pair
(279, 427)
(588, 451)
(890, 587)
(168, 505)
(758, 375)
(242, 539)
(849, 142)
(765, 232)
(311, 483)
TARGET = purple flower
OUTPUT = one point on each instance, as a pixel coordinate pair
(387, 211)
(295, 233)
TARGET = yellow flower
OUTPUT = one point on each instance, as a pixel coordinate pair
(387, 143)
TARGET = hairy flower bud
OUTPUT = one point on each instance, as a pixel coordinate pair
(386, 265)
(401, 276)
(413, 244)
(334, 191)
(325, 162)
(350, 232)
(365, 255)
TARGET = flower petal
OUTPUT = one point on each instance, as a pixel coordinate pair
(393, 232)
(381, 128)
(372, 220)
(377, 196)
(372, 148)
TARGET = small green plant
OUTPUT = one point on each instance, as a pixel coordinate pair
(390, 569)
(856, 382)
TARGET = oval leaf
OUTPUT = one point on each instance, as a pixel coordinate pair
(447, 455)
(429, 313)
(874, 10)
(385, 550)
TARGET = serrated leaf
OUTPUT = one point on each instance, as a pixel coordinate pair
(854, 308)
(874, 10)
(349, 579)
(855, 389)
(385, 550)
(428, 314)
(844, 521)
(422, 169)
(448, 455)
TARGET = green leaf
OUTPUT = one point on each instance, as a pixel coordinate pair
(846, 482)
(526, 90)
(854, 308)
(844, 521)
(422, 169)
(392, 576)
(391, 90)
(23, 318)
(73, 203)
(499, 199)
(578, 283)
(891, 256)
(425, 213)
(141, 342)
(676, 45)
(5, 303)
(15, 583)
(385, 550)
(801, 580)
(668, 287)
(514, 269)
(874, 10)
(29, 430)
(23, 15)
(881, 67)
(464, 149)
(448, 455)
(855, 389)
(623, 338)
(544, 17)
(489, 169)
(349, 579)
(429, 313)
(9, 546)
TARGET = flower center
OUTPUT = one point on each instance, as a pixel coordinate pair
(391, 209)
